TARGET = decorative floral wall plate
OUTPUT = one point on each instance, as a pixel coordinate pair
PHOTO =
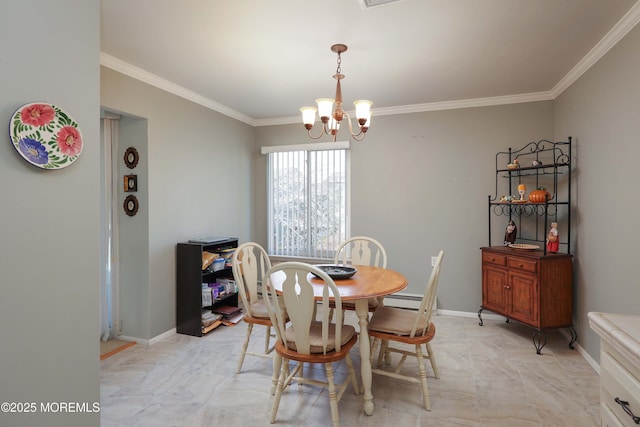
(45, 135)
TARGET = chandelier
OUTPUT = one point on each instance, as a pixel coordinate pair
(331, 112)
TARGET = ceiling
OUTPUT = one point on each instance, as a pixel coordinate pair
(260, 61)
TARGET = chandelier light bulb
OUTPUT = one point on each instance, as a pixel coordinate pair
(334, 125)
(325, 108)
(308, 116)
(363, 111)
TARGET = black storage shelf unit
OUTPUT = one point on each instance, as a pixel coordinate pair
(189, 279)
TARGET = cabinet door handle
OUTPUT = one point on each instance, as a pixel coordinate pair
(625, 408)
(506, 287)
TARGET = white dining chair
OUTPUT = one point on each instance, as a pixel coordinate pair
(306, 339)
(403, 326)
(250, 264)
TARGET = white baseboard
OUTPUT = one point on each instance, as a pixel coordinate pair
(412, 301)
(134, 339)
(151, 341)
(582, 352)
(162, 336)
(485, 316)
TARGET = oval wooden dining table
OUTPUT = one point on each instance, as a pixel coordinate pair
(367, 282)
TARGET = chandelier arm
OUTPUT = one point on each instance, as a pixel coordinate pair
(323, 131)
(314, 137)
(361, 138)
(354, 135)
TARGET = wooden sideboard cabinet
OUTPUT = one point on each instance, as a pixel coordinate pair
(530, 287)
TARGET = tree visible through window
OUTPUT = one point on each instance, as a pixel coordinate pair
(308, 209)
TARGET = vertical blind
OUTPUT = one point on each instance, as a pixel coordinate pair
(308, 210)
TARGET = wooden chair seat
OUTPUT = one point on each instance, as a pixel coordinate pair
(407, 339)
(398, 321)
(258, 309)
(333, 356)
(256, 320)
(316, 339)
(259, 314)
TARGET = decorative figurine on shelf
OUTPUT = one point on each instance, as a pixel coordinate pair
(510, 233)
(552, 239)
(521, 189)
(513, 165)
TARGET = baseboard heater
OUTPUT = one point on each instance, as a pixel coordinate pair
(403, 300)
(394, 300)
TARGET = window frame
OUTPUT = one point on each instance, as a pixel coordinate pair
(321, 146)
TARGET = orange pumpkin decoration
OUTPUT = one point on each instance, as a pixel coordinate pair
(539, 196)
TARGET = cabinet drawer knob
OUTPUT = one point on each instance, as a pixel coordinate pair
(506, 287)
(520, 265)
(625, 408)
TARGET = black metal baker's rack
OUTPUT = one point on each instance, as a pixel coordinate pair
(542, 163)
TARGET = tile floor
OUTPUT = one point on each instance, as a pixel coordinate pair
(489, 376)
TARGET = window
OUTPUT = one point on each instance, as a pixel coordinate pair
(308, 203)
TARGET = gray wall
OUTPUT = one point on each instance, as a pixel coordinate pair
(49, 220)
(420, 184)
(198, 180)
(601, 109)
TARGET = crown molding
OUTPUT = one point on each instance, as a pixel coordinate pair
(154, 80)
(432, 106)
(622, 27)
(465, 103)
(368, 4)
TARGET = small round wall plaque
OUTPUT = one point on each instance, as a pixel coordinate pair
(130, 205)
(131, 157)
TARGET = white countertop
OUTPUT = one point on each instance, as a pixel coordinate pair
(621, 331)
